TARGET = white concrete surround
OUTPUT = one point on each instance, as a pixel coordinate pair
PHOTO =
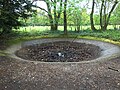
(109, 51)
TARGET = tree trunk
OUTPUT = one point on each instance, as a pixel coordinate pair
(101, 17)
(78, 28)
(104, 19)
(52, 6)
(65, 18)
(91, 17)
(54, 27)
(109, 15)
(55, 24)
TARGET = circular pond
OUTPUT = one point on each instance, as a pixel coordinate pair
(59, 51)
(63, 50)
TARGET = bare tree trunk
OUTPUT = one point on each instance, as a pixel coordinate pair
(91, 16)
(105, 16)
(53, 19)
(78, 28)
(50, 16)
(104, 19)
(55, 24)
(109, 15)
(101, 15)
(54, 27)
(65, 18)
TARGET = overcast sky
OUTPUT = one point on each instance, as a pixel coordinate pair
(83, 3)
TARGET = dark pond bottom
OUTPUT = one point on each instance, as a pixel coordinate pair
(59, 51)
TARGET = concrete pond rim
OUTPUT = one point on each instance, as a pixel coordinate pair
(109, 51)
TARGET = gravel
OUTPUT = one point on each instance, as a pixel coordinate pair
(21, 75)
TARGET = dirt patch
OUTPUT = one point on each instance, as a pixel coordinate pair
(20, 75)
(59, 51)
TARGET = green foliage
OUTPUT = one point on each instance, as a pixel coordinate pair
(43, 32)
(76, 14)
(109, 34)
(115, 18)
(10, 11)
(37, 19)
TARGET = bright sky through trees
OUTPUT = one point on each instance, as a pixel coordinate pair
(42, 4)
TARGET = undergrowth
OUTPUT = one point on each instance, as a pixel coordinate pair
(17, 36)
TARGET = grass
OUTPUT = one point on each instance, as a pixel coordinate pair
(61, 28)
(40, 31)
(28, 33)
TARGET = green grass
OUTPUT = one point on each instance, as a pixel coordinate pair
(37, 32)
(44, 31)
(34, 28)
(61, 28)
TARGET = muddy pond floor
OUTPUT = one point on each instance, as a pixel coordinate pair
(60, 51)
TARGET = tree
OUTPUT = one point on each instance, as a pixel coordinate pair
(104, 15)
(92, 15)
(74, 14)
(54, 10)
(115, 19)
(77, 14)
(10, 11)
(38, 19)
(106, 9)
(77, 19)
(65, 17)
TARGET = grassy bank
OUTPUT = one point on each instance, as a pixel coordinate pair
(109, 34)
(112, 36)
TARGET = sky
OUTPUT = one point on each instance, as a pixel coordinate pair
(42, 4)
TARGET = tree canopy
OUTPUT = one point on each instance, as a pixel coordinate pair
(59, 12)
(11, 11)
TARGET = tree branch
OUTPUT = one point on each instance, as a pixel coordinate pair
(51, 0)
(40, 8)
(31, 4)
(113, 7)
